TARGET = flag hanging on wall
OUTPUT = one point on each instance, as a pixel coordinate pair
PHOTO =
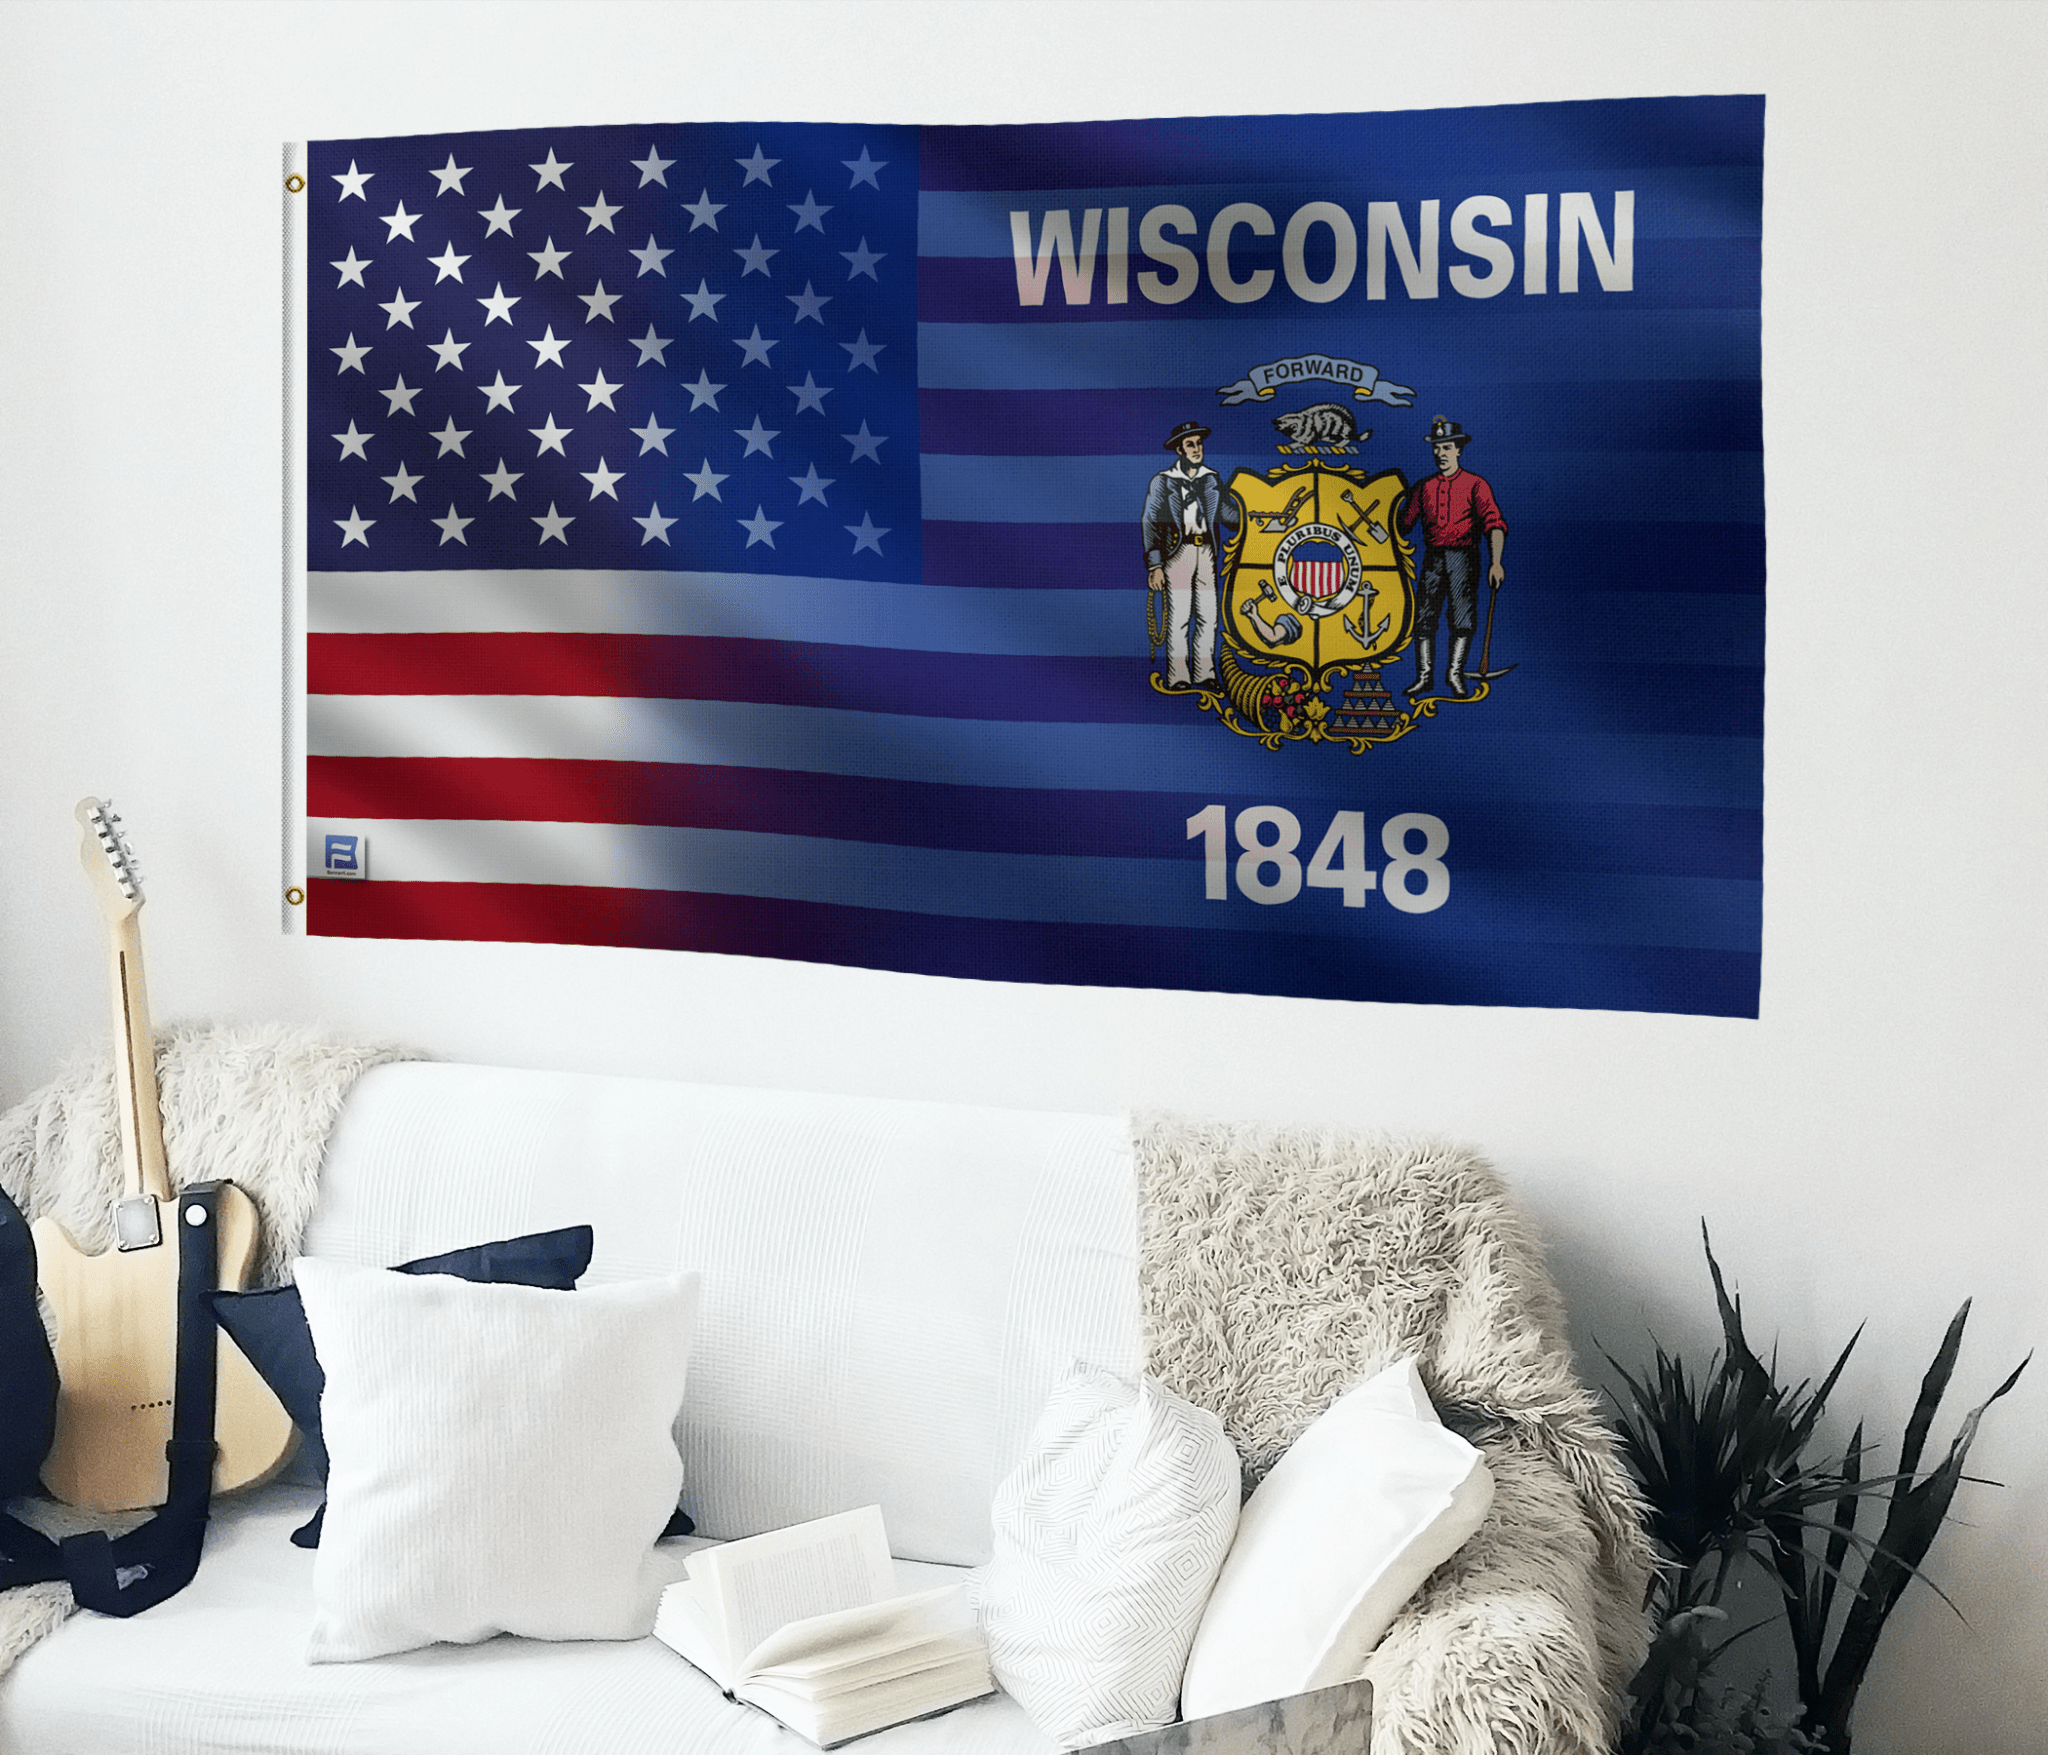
(1311, 555)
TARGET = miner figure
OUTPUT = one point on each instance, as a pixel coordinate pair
(1458, 512)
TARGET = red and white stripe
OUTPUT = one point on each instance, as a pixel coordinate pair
(1317, 579)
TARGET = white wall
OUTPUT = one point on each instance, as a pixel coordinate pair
(1869, 1148)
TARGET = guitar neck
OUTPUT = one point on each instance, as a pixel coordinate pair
(143, 1168)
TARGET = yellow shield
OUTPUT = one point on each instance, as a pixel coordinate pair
(1317, 575)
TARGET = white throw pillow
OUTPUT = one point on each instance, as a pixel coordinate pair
(1365, 1505)
(1107, 1540)
(501, 1458)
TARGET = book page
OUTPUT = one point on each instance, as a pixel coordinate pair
(797, 1574)
(812, 1647)
(835, 1719)
(685, 1621)
(885, 1661)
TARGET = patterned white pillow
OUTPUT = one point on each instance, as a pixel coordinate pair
(1107, 1540)
(1367, 1502)
(501, 1458)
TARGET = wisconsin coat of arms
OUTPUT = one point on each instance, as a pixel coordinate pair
(1280, 599)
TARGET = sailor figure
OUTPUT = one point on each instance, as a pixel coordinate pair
(1183, 532)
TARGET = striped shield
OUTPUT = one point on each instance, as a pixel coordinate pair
(1317, 577)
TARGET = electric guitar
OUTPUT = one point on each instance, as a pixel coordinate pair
(117, 1313)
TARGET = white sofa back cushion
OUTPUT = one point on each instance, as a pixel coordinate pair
(890, 1289)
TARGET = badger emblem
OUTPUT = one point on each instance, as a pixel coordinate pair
(1322, 426)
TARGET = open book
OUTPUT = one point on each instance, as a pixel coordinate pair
(804, 1623)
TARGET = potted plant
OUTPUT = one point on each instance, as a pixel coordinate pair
(1731, 1462)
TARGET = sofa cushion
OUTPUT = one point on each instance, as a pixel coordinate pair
(222, 1666)
(500, 1458)
(890, 1287)
(1108, 1537)
(270, 1325)
(1365, 1504)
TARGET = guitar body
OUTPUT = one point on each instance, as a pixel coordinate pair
(117, 1313)
(117, 1359)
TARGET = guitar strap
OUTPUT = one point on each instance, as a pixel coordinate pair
(130, 1573)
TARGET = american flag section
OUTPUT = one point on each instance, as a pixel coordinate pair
(727, 537)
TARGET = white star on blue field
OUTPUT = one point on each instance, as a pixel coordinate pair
(681, 348)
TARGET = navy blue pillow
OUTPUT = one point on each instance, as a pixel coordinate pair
(270, 1326)
(28, 1402)
(28, 1374)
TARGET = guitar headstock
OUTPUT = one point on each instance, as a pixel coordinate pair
(110, 863)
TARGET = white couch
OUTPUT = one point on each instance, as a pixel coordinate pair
(889, 1289)
(889, 1292)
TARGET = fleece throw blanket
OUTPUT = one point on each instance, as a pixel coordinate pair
(1277, 1266)
(251, 1105)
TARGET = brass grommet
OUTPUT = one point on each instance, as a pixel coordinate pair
(295, 183)
(295, 896)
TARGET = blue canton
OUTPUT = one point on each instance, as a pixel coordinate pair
(679, 348)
